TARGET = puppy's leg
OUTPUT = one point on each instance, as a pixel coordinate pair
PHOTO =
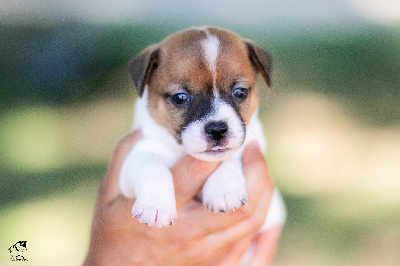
(225, 189)
(146, 177)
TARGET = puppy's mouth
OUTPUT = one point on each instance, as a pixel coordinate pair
(217, 151)
(214, 153)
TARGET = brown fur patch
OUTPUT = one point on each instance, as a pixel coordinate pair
(181, 62)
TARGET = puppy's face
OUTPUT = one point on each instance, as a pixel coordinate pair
(201, 88)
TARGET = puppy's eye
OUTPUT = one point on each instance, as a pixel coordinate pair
(181, 98)
(240, 93)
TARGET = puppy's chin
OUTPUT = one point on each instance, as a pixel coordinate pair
(213, 155)
(201, 148)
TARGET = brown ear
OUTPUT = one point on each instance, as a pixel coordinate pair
(142, 67)
(261, 60)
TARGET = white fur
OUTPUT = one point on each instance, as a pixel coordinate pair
(145, 172)
(196, 142)
(210, 47)
(155, 139)
(225, 189)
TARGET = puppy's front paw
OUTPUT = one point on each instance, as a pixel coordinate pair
(224, 190)
(153, 186)
(155, 215)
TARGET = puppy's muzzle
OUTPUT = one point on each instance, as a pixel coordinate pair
(216, 130)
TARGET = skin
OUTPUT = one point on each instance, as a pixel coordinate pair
(199, 237)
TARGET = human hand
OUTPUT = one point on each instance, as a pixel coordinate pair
(199, 237)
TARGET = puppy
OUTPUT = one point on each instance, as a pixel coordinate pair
(197, 96)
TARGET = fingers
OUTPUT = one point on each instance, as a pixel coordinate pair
(259, 188)
(245, 227)
(255, 170)
(265, 247)
(109, 188)
(234, 240)
(235, 254)
(189, 177)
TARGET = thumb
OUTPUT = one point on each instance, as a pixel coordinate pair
(189, 177)
(109, 188)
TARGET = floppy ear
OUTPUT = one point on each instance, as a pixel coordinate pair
(261, 60)
(143, 66)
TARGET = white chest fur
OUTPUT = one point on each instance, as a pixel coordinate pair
(145, 175)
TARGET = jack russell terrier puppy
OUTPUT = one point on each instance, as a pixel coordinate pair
(198, 96)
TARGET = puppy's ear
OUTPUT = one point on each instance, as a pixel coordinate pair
(261, 60)
(143, 66)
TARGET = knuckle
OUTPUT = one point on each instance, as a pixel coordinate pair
(260, 167)
(126, 143)
(254, 215)
(257, 220)
(246, 211)
(122, 144)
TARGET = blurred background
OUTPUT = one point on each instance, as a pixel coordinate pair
(332, 119)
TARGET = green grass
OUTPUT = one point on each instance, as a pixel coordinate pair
(21, 186)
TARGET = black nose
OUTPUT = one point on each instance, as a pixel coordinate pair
(216, 130)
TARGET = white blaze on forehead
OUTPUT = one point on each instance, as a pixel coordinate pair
(210, 47)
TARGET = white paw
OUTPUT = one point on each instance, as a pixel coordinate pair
(152, 185)
(224, 190)
(155, 214)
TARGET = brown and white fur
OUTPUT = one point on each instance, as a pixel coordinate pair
(198, 96)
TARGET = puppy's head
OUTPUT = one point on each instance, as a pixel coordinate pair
(201, 87)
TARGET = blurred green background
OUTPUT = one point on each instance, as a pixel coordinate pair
(332, 119)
